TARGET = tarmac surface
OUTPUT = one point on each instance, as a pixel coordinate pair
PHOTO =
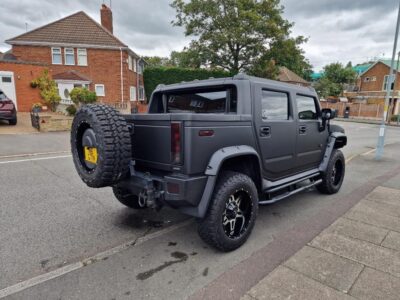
(61, 240)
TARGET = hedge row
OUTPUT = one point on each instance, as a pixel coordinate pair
(154, 76)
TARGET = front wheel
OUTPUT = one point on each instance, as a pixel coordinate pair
(333, 177)
(232, 212)
(13, 121)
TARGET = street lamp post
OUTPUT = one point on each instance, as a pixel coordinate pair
(382, 131)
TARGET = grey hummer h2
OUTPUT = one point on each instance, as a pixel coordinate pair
(214, 149)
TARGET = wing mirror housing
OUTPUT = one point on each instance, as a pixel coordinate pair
(327, 114)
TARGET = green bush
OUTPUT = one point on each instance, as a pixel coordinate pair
(71, 110)
(154, 76)
(395, 118)
(82, 96)
(48, 89)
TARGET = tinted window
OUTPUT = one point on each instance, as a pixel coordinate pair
(274, 106)
(202, 101)
(2, 96)
(306, 108)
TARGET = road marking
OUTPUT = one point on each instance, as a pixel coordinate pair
(33, 159)
(33, 154)
(16, 288)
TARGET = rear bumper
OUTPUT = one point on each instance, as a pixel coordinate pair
(173, 190)
(7, 115)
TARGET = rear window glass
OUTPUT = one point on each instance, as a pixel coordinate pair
(206, 100)
(2, 96)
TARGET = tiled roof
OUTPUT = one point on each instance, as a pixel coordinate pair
(76, 29)
(287, 75)
(71, 75)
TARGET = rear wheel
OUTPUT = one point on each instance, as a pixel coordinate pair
(100, 145)
(232, 212)
(13, 121)
(333, 177)
(129, 200)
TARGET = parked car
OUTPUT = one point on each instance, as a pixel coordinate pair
(214, 149)
(7, 109)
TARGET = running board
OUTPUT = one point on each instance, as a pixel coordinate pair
(291, 193)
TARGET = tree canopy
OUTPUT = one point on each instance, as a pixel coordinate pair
(240, 35)
(335, 77)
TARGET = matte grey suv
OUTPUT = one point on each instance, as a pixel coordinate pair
(214, 149)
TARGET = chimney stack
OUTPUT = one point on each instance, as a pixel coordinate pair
(106, 17)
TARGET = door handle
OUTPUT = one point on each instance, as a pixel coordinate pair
(265, 131)
(302, 129)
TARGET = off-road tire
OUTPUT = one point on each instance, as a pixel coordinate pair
(330, 185)
(127, 199)
(13, 121)
(211, 228)
(113, 145)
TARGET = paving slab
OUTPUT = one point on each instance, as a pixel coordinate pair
(366, 214)
(327, 268)
(284, 283)
(392, 241)
(383, 208)
(358, 230)
(373, 284)
(369, 254)
(386, 195)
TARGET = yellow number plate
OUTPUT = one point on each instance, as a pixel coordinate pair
(91, 155)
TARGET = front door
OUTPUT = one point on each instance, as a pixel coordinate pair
(311, 142)
(275, 130)
(7, 85)
(63, 90)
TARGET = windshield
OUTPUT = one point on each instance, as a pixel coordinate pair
(3, 96)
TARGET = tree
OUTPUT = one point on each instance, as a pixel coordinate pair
(157, 61)
(232, 34)
(283, 53)
(334, 78)
(48, 89)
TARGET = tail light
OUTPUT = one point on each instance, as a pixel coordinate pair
(176, 151)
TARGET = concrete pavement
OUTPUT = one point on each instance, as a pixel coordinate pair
(357, 257)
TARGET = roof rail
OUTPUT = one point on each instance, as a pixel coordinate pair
(241, 76)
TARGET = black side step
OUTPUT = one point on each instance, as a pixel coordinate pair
(288, 194)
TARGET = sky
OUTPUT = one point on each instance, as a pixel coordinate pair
(338, 30)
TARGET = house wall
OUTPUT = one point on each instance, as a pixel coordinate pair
(104, 67)
(379, 70)
(23, 75)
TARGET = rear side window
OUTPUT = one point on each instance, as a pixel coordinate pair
(206, 100)
(306, 107)
(274, 105)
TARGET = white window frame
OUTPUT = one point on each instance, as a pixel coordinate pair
(100, 86)
(52, 55)
(134, 62)
(140, 67)
(141, 93)
(80, 54)
(386, 82)
(65, 56)
(367, 79)
(130, 62)
(133, 93)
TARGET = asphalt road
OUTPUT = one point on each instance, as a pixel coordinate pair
(49, 221)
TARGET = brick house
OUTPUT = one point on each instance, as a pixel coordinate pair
(286, 75)
(372, 84)
(78, 52)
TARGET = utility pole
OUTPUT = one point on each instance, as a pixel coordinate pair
(382, 130)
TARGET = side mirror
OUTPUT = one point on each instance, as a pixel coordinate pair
(328, 114)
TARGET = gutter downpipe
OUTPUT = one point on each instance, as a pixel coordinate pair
(122, 81)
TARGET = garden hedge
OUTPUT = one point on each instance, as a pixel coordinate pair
(154, 76)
